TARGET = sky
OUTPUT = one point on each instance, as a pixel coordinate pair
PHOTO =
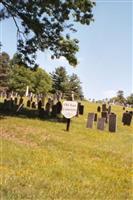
(105, 55)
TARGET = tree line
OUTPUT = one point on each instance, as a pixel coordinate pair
(16, 76)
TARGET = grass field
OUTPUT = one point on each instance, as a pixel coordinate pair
(41, 161)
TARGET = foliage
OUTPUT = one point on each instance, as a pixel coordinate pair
(66, 84)
(60, 80)
(20, 78)
(130, 99)
(41, 81)
(120, 97)
(43, 25)
(4, 71)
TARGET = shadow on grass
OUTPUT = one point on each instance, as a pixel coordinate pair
(29, 113)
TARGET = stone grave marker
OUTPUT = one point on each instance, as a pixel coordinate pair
(104, 114)
(39, 105)
(109, 109)
(98, 109)
(112, 122)
(90, 120)
(104, 109)
(95, 118)
(15, 100)
(58, 107)
(28, 103)
(81, 109)
(127, 118)
(33, 105)
(101, 123)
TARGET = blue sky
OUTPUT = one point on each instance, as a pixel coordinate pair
(105, 55)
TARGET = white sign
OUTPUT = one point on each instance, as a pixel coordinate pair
(69, 109)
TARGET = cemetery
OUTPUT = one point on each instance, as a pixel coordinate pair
(40, 154)
(66, 100)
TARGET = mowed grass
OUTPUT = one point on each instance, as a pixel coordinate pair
(41, 161)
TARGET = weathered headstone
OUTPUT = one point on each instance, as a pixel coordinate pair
(112, 122)
(39, 105)
(58, 107)
(104, 109)
(109, 109)
(95, 118)
(101, 124)
(81, 109)
(21, 101)
(90, 120)
(127, 118)
(33, 105)
(48, 107)
(54, 111)
(104, 114)
(28, 103)
(15, 100)
(98, 109)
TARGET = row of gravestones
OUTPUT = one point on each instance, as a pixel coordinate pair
(101, 121)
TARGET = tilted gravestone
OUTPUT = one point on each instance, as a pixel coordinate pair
(112, 122)
(101, 124)
(90, 120)
(39, 105)
(104, 114)
(16, 100)
(127, 118)
(58, 107)
(98, 109)
(104, 109)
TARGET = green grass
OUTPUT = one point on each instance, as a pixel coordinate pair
(41, 161)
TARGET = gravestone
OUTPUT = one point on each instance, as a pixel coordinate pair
(109, 109)
(54, 110)
(104, 114)
(28, 103)
(90, 120)
(21, 101)
(104, 109)
(112, 122)
(33, 105)
(98, 109)
(101, 124)
(39, 105)
(123, 108)
(95, 118)
(127, 118)
(81, 109)
(15, 100)
(58, 107)
(48, 107)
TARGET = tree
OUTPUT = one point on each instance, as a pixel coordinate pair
(120, 97)
(130, 99)
(4, 71)
(41, 81)
(60, 80)
(43, 25)
(20, 78)
(75, 86)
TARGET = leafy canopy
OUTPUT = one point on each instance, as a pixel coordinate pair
(45, 24)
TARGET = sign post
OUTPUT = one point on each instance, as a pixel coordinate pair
(69, 110)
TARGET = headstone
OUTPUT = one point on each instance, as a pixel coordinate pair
(109, 109)
(21, 101)
(101, 124)
(123, 108)
(58, 107)
(112, 122)
(95, 118)
(15, 100)
(98, 109)
(104, 114)
(39, 105)
(54, 110)
(28, 103)
(127, 118)
(33, 105)
(90, 120)
(81, 109)
(48, 107)
(104, 109)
